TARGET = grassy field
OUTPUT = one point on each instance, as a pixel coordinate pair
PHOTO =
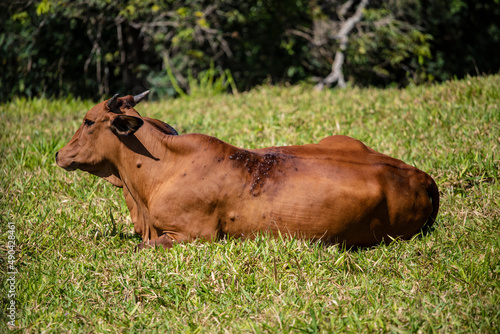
(77, 271)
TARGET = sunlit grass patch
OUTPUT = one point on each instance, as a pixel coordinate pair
(78, 270)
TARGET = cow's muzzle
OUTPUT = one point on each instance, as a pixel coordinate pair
(69, 168)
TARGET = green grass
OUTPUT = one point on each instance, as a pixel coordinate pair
(75, 242)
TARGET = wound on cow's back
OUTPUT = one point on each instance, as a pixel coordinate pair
(259, 167)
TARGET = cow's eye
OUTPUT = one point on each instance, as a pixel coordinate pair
(88, 122)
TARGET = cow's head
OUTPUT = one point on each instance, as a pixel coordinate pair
(96, 142)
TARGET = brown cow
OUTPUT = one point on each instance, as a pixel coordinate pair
(180, 188)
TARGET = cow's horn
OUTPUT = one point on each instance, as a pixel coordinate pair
(139, 97)
(112, 101)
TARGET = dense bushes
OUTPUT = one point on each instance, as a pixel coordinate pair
(92, 48)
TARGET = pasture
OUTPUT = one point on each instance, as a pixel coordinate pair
(78, 272)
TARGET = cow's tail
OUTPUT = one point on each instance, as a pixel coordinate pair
(433, 192)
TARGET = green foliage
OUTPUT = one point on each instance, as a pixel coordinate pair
(78, 271)
(94, 48)
(391, 51)
(208, 84)
(465, 34)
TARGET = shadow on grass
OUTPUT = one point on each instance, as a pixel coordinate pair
(113, 229)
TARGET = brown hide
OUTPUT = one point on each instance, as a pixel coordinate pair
(180, 188)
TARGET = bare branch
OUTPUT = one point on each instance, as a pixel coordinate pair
(302, 34)
(350, 22)
(336, 74)
(344, 8)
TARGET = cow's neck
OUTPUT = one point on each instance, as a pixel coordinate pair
(150, 159)
(142, 169)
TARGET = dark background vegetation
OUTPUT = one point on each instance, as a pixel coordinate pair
(94, 48)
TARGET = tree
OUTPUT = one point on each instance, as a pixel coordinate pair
(94, 48)
(345, 27)
(365, 40)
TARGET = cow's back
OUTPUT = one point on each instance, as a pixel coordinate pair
(338, 191)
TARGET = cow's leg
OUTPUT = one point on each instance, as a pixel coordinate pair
(163, 241)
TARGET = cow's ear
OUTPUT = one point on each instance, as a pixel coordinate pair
(123, 125)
